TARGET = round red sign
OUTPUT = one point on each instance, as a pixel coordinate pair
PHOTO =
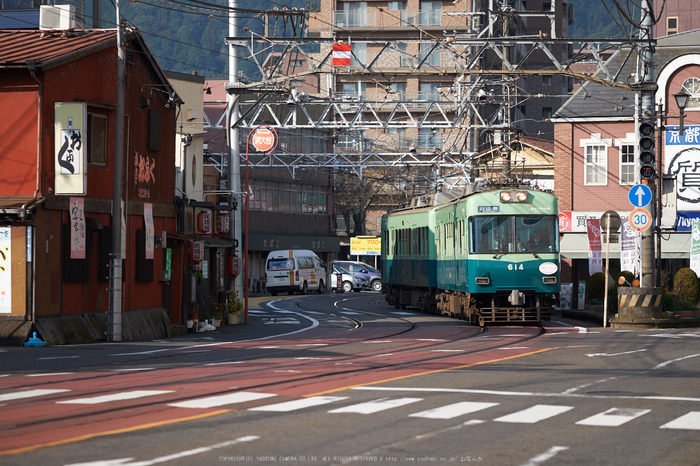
(263, 139)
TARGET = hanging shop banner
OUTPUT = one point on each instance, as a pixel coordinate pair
(595, 247)
(150, 231)
(695, 248)
(681, 154)
(629, 257)
(69, 145)
(5, 270)
(77, 228)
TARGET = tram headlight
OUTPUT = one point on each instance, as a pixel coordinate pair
(513, 196)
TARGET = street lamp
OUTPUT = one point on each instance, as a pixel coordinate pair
(681, 101)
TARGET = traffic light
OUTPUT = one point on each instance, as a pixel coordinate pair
(647, 156)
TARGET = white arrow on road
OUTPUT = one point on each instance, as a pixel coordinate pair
(614, 354)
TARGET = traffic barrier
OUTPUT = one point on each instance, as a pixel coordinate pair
(639, 303)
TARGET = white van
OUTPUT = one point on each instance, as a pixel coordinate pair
(294, 270)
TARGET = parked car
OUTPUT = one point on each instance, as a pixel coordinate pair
(373, 276)
(349, 281)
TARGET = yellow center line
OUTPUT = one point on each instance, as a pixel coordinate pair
(112, 432)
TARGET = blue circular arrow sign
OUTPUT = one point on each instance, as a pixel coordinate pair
(639, 195)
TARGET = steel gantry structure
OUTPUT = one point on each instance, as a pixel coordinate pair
(460, 106)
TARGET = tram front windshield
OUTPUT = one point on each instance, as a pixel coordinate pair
(491, 234)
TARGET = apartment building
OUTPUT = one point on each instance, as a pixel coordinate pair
(404, 42)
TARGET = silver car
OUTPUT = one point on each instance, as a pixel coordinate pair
(349, 281)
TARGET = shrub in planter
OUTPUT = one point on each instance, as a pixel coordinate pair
(596, 287)
(686, 286)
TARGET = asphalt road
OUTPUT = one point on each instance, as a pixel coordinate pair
(346, 379)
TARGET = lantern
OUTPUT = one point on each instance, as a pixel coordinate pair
(204, 221)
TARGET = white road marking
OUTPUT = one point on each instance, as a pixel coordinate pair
(689, 421)
(547, 455)
(375, 406)
(378, 341)
(613, 417)
(168, 458)
(404, 313)
(50, 373)
(566, 394)
(351, 313)
(134, 369)
(29, 394)
(132, 395)
(59, 357)
(314, 344)
(221, 400)
(294, 405)
(515, 347)
(614, 354)
(534, 414)
(447, 350)
(453, 410)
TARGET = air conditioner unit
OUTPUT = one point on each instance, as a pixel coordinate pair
(56, 17)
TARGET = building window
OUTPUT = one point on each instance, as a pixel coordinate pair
(429, 91)
(397, 137)
(97, 139)
(296, 63)
(547, 80)
(671, 25)
(546, 113)
(434, 57)
(405, 61)
(429, 139)
(627, 164)
(398, 90)
(354, 91)
(359, 54)
(692, 87)
(355, 13)
(399, 9)
(430, 12)
(595, 160)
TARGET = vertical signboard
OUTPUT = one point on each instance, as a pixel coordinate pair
(5, 270)
(70, 129)
(595, 246)
(77, 228)
(681, 156)
(150, 232)
(695, 248)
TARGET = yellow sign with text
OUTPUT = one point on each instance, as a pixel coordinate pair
(365, 246)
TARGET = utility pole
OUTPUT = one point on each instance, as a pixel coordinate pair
(647, 113)
(234, 160)
(114, 325)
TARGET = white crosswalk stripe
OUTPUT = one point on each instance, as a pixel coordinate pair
(613, 417)
(221, 400)
(689, 421)
(295, 405)
(375, 406)
(28, 394)
(132, 395)
(534, 414)
(453, 410)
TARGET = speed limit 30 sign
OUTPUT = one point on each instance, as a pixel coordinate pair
(640, 219)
